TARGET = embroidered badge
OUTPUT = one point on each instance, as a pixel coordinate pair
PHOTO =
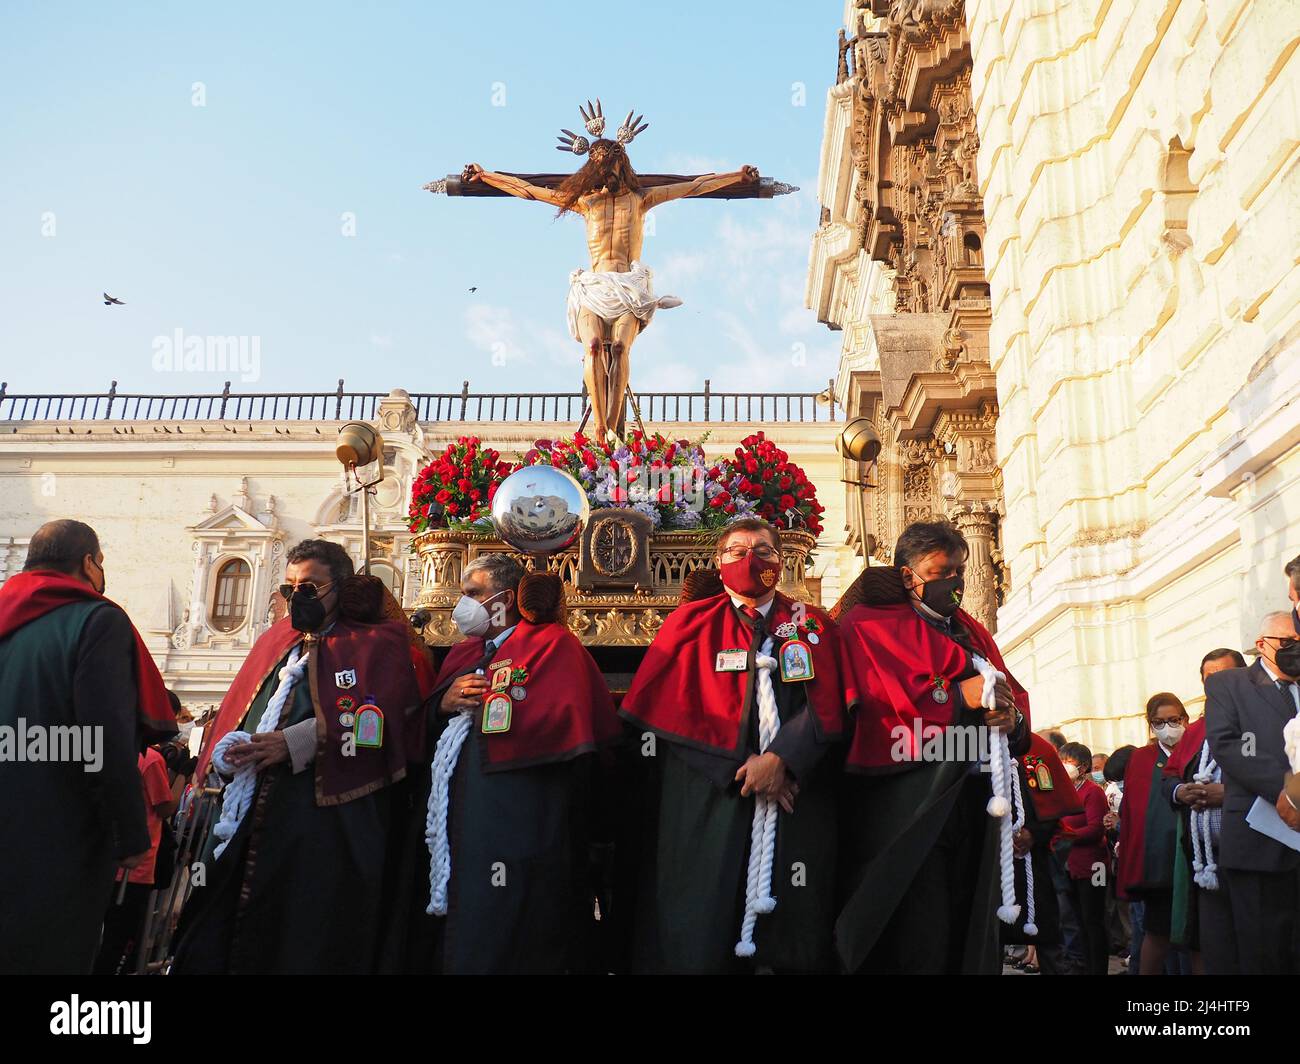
(796, 661)
(368, 727)
(345, 679)
(1038, 775)
(500, 677)
(346, 703)
(496, 713)
(784, 630)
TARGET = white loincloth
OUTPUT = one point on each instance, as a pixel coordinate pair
(609, 295)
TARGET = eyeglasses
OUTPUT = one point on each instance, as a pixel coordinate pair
(306, 589)
(1283, 641)
(762, 551)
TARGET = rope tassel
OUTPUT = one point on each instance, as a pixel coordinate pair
(1205, 825)
(762, 838)
(436, 837)
(238, 793)
(1006, 790)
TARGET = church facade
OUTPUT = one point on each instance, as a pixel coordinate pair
(1059, 239)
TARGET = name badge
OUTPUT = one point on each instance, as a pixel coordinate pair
(731, 661)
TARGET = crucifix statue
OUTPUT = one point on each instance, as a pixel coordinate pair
(610, 303)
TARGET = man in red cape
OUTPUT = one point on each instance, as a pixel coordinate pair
(919, 849)
(495, 875)
(697, 701)
(296, 885)
(72, 667)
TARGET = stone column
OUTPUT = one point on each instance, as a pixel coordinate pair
(975, 520)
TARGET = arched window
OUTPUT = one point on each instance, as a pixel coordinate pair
(230, 597)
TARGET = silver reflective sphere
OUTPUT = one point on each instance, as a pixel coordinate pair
(539, 510)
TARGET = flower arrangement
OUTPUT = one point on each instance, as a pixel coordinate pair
(762, 481)
(674, 485)
(455, 490)
(664, 479)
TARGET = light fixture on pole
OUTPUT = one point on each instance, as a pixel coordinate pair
(860, 442)
(359, 444)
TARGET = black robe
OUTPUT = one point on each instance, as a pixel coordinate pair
(297, 890)
(63, 829)
(522, 894)
(684, 851)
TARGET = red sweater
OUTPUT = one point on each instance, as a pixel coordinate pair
(1086, 833)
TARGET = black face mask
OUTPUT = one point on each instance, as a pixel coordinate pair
(306, 614)
(1288, 659)
(943, 596)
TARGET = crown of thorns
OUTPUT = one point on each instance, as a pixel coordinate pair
(594, 119)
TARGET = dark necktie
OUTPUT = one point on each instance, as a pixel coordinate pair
(1288, 688)
(489, 652)
(759, 623)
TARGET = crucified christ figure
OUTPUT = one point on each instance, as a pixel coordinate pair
(609, 304)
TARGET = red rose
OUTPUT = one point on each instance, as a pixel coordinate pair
(464, 484)
(475, 494)
(452, 508)
(443, 496)
(751, 465)
(787, 502)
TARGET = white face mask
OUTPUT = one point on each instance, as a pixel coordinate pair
(1169, 733)
(1071, 770)
(471, 617)
(183, 731)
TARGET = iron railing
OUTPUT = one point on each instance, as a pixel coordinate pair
(467, 406)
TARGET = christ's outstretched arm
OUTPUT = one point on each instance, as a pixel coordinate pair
(699, 186)
(513, 186)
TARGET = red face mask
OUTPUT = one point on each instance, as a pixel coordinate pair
(751, 576)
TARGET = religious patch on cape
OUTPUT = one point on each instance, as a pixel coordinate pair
(496, 713)
(500, 677)
(1037, 774)
(796, 661)
(731, 661)
(345, 679)
(368, 728)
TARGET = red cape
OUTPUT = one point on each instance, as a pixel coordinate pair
(678, 692)
(893, 657)
(379, 655)
(28, 596)
(1063, 798)
(1133, 817)
(566, 709)
(1188, 749)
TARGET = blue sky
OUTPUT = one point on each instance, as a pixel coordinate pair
(228, 219)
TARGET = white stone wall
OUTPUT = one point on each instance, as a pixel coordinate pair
(1142, 199)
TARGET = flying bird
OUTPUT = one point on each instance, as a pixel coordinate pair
(111, 300)
(474, 288)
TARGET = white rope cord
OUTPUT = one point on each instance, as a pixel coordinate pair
(762, 839)
(1031, 928)
(1003, 774)
(1205, 826)
(238, 793)
(436, 838)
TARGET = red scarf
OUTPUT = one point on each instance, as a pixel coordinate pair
(566, 709)
(679, 693)
(894, 657)
(27, 596)
(1133, 817)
